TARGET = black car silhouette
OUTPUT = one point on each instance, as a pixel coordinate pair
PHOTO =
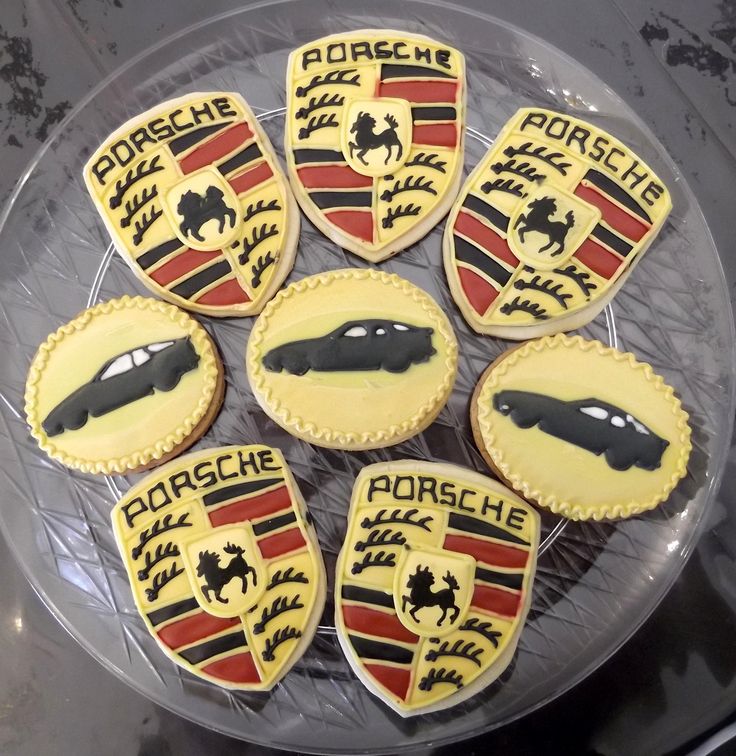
(122, 380)
(355, 345)
(591, 424)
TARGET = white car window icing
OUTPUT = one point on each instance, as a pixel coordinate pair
(638, 427)
(380, 331)
(159, 346)
(597, 412)
(120, 365)
(356, 332)
(140, 357)
(400, 327)
(618, 422)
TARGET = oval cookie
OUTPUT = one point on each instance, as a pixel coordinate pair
(580, 428)
(224, 566)
(433, 583)
(194, 199)
(352, 359)
(375, 125)
(548, 226)
(126, 385)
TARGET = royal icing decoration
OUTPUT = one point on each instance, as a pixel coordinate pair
(352, 359)
(374, 136)
(224, 567)
(433, 582)
(549, 225)
(125, 385)
(580, 428)
(193, 196)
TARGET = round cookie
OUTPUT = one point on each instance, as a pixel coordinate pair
(580, 428)
(352, 359)
(126, 385)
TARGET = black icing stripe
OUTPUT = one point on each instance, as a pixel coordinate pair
(182, 143)
(614, 241)
(490, 213)
(429, 113)
(197, 282)
(341, 199)
(248, 155)
(367, 596)
(372, 649)
(307, 155)
(612, 189)
(470, 254)
(274, 523)
(203, 651)
(508, 580)
(147, 259)
(396, 71)
(157, 616)
(238, 490)
(480, 527)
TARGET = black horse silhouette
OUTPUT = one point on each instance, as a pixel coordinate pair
(538, 219)
(366, 138)
(216, 577)
(197, 209)
(422, 595)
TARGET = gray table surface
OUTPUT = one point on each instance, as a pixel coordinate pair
(54, 698)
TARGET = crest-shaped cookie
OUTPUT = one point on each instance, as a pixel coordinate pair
(224, 566)
(195, 201)
(433, 582)
(374, 136)
(549, 225)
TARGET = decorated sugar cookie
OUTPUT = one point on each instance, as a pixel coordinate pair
(549, 225)
(224, 565)
(374, 136)
(352, 359)
(124, 386)
(580, 428)
(195, 201)
(433, 583)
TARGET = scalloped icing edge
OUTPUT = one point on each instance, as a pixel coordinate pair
(551, 501)
(204, 346)
(355, 441)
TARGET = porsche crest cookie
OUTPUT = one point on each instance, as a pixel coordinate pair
(126, 385)
(433, 583)
(549, 225)
(352, 359)
(224, 566)
(580, 428)
(374, 136)
(194, 199)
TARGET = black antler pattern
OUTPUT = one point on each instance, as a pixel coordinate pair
(315, 123)
(135, 205)
(509, 186)
(133, 176)
(397, 518)
(378, 538)
(524, 169)
(441, 675)
(410, 184)
(400, 211)
(159, 527)
(287, 576)
(161, 552)
(332, 78)
(160, 579)
(376, 559)
(474, 625)
(462, 650)
(146, 221)
(279, 637)
(260, 207)
(579, 276)
(259, 235)
(260, 267)
(280, 605)
(540, 153)
(545, 287)
(428, 160)
(316, 103)
(524, 305)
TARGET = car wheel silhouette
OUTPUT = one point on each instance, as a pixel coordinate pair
(619, 460)
(524, 419)
(396, 364)
(167, 382)
(295, 364)
(77, 420)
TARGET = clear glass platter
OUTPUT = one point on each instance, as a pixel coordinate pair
(596, 582)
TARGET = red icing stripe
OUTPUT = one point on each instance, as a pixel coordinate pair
(280, 543)
(247, 180)
(371, 622)
(486, 551)
(392, 678)
(247, 509)
(226, 293)
(332, 177)
(479, 292)
(355, 222)
(484, 235)
(436, 135)
(617, 219)
(598, 258)
(419, 91)
(216, 148)
(194, 628)
(495, 600)
(238, 668)
(183, 263)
